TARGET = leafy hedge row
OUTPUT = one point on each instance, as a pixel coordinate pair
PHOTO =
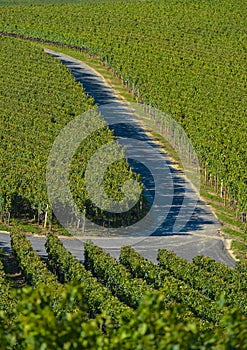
(122, 284)
(36, 325)
(202, 306)
(180, 57)
(39, 97)
(241, 267)
(115, 276)
(46, 312)
(34, 269)
(205, 282)
(151, 327)
(99, 298)
(221, 271)
(7, 301)
(158, 326)
(4, 287)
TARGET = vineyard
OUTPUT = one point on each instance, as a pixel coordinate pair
(186, 59)
(131, 304)
(199, 77)
(39, 97)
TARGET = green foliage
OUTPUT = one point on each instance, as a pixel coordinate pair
(180, 57)
(173, 289)
(38, 94)
(38, 326)
(99, 298)
(37, 2)
(241, 267)
(39, 97)
(221, 271)
(151, 327)
(154, 328)
(213, 286)
(7, 301)
(128, 289)
(35, 322)
(4, 287)
(34, 269)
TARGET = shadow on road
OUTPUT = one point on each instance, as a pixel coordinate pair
(201, 218)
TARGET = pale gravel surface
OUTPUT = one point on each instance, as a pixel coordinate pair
(185, 246)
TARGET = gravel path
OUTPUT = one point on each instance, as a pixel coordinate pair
(186, 246)
(199, 235)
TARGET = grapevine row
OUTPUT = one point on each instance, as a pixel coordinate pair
(36, 325)
(61, 299)
(205, 282)
(7, 303)
(180, 58)
(200, 305)
(34, 269)
(98, 297)
(118, 279)
(221, 271)
(40, 96)
(114, 276)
